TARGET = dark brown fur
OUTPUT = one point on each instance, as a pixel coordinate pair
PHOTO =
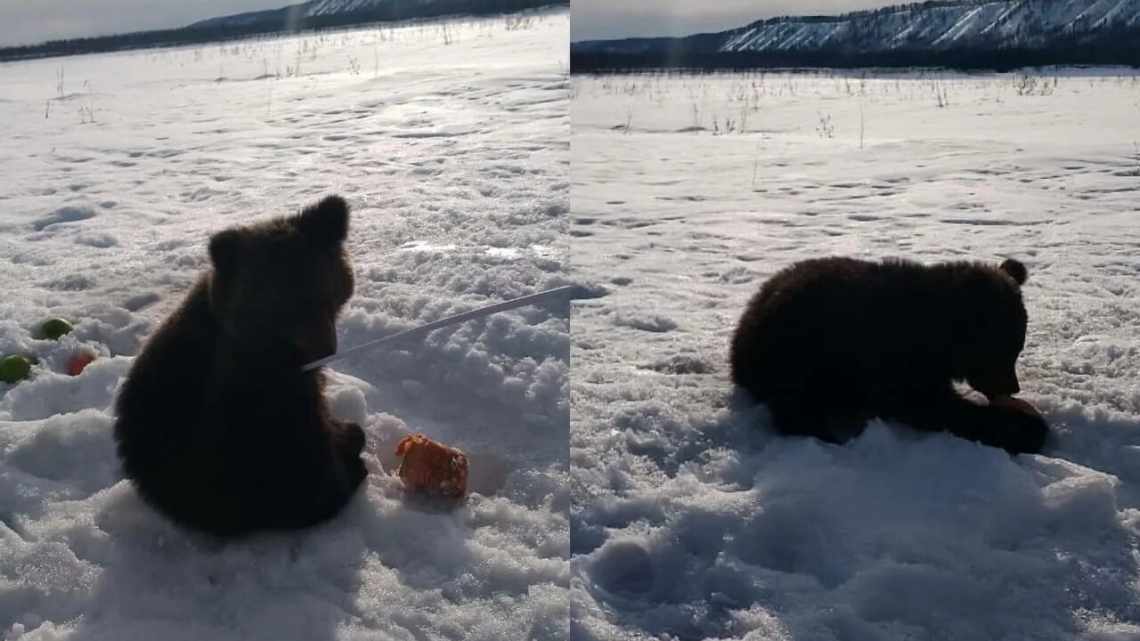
(217, 427)
(829, 343)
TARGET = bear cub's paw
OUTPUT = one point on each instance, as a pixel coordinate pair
(350, 437)
(1015, 430)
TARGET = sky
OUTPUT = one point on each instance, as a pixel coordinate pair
(33, 21)
(604, 19)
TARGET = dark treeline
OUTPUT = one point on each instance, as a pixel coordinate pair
(268, 22)
(1126, 52)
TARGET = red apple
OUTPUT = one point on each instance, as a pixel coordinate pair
(79, 361)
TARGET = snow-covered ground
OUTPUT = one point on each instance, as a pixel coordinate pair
(689, 519)
(451, 142)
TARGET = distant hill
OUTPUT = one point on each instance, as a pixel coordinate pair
(956, 33)
(318, 12)
(312, 15)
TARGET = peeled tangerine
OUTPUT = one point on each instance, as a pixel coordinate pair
(432, 467)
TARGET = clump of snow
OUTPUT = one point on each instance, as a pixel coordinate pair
(690, 519)
(646, 322)
(107, 212)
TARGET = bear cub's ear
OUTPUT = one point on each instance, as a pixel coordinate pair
(225, 247)
(1015, 269)
(325, 222)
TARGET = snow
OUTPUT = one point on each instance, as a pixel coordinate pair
(450, 137)
(689, 518)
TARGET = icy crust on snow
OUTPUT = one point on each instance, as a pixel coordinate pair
(690, 520)
(113, 184)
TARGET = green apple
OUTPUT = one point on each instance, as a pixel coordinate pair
(14, 368)
(54, 328)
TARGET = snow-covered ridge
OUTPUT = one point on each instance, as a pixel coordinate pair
(333, 7)
(313, 8)
(364, 10)
(938, 25)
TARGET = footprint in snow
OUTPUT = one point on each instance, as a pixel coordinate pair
(624, 568)
(67, 214)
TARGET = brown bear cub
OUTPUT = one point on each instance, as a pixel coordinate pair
(218, 428)
(829, 343)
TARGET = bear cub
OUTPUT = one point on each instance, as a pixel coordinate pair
(829, 343)
(217, 427)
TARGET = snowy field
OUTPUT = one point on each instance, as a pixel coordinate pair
(690, 520)
(450, 141)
